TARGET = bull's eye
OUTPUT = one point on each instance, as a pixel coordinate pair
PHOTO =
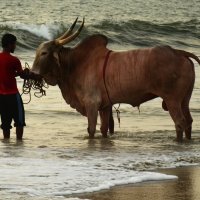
(44, 53)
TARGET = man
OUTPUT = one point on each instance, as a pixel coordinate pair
(11, 105)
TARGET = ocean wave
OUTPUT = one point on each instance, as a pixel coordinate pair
(45, 31)
(133, 32)
(143, 33)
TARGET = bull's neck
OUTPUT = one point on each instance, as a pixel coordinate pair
(65, 59)
(67, 65)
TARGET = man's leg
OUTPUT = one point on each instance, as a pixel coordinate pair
(6, 134)
(19, 132)
(6, 118)
(19, 117)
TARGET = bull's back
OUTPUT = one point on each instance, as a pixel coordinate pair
(136, 75)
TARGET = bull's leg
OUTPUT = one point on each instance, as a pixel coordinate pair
(188, 132)
(177, 115)
(111, 122)
(164, 106)
(92, 113)
(107, 121)
(188, 129)
(189, 120)
(188, 117)
(104, 116)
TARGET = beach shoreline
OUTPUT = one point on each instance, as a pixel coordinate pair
(185, 187)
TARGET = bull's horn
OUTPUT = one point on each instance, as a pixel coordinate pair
(68, 32)
(71, 37)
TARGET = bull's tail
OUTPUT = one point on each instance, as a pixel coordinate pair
(188, 55)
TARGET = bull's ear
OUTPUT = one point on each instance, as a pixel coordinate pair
(55, 55)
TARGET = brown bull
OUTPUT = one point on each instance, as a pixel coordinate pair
(91, 78)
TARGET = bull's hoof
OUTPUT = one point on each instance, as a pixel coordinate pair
(178, 139)
(91, 136)
(105, 135)
(188, 136)
(186, 140)
(111, 133)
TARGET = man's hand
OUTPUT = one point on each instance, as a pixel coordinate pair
(27, 74)
(24, 73)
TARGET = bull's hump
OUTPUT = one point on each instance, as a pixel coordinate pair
(94, 41)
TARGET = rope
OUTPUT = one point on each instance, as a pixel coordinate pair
(118, 113)
(35, 85)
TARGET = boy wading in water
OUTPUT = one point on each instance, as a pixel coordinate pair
(11, 105)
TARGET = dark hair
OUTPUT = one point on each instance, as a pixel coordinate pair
(8, 39)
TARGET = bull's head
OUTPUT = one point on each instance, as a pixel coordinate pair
(47, 62)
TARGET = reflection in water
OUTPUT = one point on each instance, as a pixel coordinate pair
(12, 148)
(102, 143)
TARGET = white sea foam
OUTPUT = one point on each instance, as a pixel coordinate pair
(41, 30)
(58, 177)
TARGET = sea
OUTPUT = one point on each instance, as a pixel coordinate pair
(56, 160)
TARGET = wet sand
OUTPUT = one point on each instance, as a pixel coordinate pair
(186, 187)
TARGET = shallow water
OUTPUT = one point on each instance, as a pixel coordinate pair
(56, 160)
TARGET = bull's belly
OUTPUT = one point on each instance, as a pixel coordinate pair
(133, 99)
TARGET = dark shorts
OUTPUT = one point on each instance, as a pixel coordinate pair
(11, 108)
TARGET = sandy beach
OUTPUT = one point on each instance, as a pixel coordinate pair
(186, 187)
